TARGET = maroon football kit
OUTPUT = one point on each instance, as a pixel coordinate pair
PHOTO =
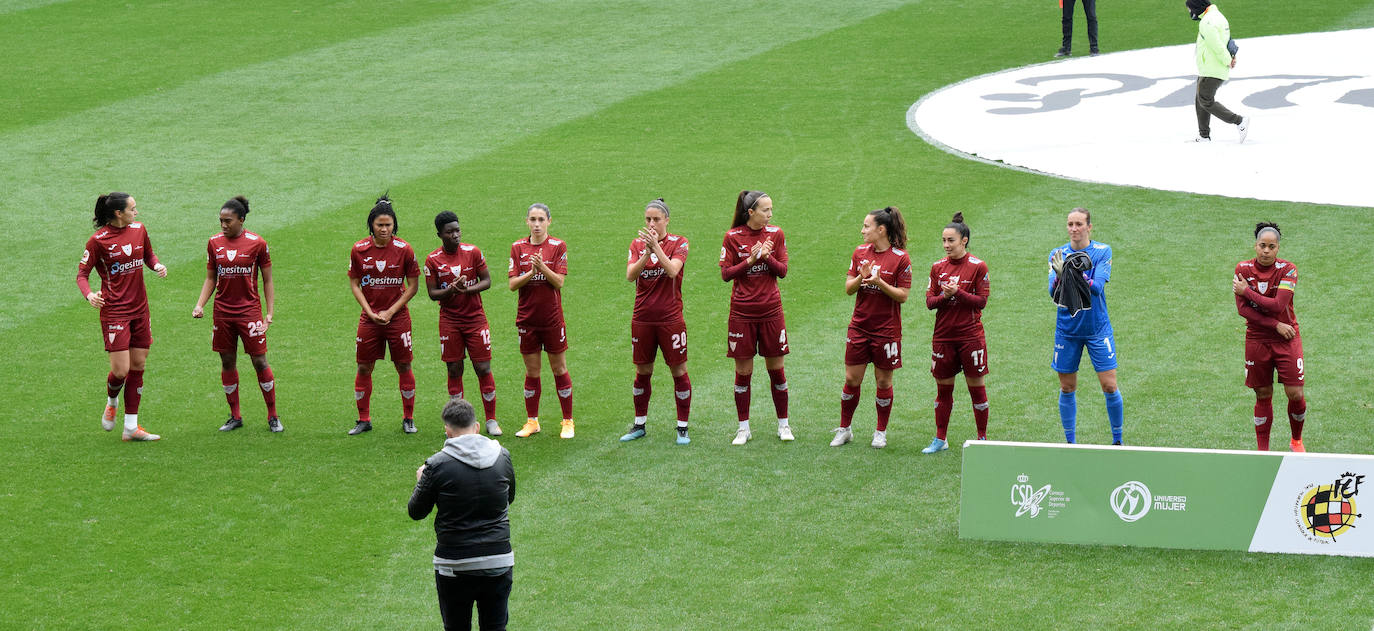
(381, 273)
(236, 263)
(539, 310)
(462, 321)
(756, 324)
(958, 343)
(1268, 300)
(875, 331)
(118, 255)
(657, 321)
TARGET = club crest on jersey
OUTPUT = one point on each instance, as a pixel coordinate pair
(381, 265)
(1263, 286)
(231, 254)
(128, 249)
(457, 270)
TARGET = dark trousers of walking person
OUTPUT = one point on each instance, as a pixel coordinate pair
(1090, 12)
(1207, 106)
(457, 594)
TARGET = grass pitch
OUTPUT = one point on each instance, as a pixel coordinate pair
(311, 110)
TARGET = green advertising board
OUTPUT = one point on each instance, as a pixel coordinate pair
(1174, 498)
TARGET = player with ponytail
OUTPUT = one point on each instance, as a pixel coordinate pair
(957, 291)
(118, 252)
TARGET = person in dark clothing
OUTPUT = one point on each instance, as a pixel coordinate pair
(471, 481)
(1089, 12)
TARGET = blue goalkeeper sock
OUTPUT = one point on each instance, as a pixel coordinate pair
(1116, 413)
(1068, 414)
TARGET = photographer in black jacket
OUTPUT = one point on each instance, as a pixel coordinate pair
(472, 482)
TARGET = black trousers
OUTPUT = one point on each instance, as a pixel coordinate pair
(1090, 12)
(458, 593)
(1207, 106)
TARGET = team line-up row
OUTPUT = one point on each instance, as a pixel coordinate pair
(384, 273)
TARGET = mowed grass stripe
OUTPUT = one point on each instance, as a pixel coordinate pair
(313, 130)
(78, 55)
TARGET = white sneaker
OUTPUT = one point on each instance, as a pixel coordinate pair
(785, 433)
(742, 436)
(842, 436)
(1243, 128)
(493, 428)
(1201, 139)
(879, 439)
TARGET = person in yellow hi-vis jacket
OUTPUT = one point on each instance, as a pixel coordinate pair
(1216, 56)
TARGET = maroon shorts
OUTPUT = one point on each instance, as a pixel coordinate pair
(122, 335)
(646, 339)
(950, 358)
(553, 339)
(373, 339)
(746, 339)
(1265, 357)
(883, 352)
(457, 340)
(224, 336)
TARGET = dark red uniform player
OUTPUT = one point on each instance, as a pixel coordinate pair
(958, 290)
(234, 258)
(1264, 289)
(118, 252)
(455, 275)
(538, 265)
(754, 256)
(655, 266)
(880, 273)
(384, 277)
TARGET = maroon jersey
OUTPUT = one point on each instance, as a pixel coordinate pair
(874, 313)
(381, 272)
(540, 304)
(235, 262)
(464, 266)
(658, 297)
(959, 317)
(755, 296)
(118, 255)
(1262, 297)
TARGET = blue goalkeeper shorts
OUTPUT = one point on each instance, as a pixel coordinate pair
(1068, 352)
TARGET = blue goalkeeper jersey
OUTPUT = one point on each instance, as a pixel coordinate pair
(1093, 321)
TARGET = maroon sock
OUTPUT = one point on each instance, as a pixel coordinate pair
(849, 401)
(1297, 413)
(133, 391)
(1264, 421)
(455, 386)
(979, 396)
(407, 383)
(532, 397)
(778, 379)
(742, 395)
(362, 392)
(563, 383)
(486, 384)
(113, 385)
(682, 391)
(268, 384)
(230, 379)
(642, 390)
(944, 403)
(884, 402)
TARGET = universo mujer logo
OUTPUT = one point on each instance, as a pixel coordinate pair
(1128, 118)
